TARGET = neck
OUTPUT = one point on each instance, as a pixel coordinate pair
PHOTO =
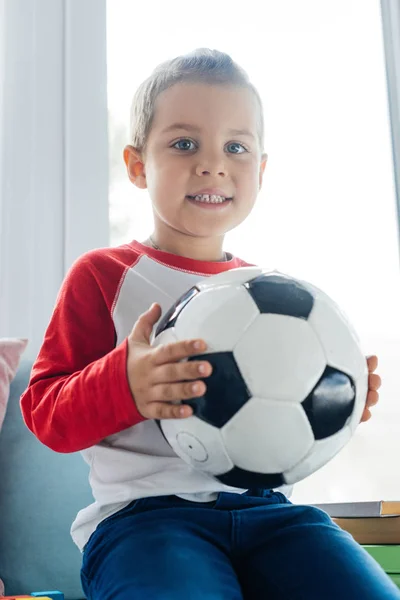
(204, 249)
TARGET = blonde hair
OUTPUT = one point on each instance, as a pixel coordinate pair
(200, 66)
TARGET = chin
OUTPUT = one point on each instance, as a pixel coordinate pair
(208, 233)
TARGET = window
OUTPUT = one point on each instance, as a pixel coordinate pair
(327, 210)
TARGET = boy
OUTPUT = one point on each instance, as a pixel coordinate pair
(157, 528)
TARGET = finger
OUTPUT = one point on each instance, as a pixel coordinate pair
(372, 399)
(372, 363)
(143, 327)
(365, 416)
(374, 382)
(171, 392)
(163, 410)
(178, 351)
(181, 371)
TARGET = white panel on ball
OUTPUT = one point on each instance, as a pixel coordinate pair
(198, 443)
(318, 293)
(238, 276)
(280, 358)
(320, 454)
(268, 436)
(341, 346)
(230, 311)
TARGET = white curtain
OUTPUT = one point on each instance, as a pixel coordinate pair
(53, 153)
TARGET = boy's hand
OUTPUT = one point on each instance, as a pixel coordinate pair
(156, 376)
(374, 383)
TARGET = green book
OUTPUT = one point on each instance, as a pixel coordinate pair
(395, 578)
(387, 556)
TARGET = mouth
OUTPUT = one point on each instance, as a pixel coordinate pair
(209, 199)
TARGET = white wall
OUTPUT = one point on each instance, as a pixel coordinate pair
(390, 12)
(53, 152)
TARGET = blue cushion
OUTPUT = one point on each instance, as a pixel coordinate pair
(40, 493)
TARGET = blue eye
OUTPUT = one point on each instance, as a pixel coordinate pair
(237, 148)
(183, 144)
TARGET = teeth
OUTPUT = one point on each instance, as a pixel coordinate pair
(213, 199)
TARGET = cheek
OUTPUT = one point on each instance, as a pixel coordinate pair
(250, 177)
(156, 178)
(163, 175)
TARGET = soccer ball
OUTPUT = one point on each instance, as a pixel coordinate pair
(289, 379)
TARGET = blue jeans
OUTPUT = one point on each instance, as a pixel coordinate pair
(252, 546)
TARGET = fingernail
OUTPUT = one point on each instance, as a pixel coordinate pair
(202, 369)
(197, 345)
(195, 387)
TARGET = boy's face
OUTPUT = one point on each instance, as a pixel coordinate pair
(203, 140)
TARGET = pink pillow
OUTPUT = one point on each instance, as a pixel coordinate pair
(11, 350)
(10, 355)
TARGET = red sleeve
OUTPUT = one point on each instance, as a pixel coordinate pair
(78, 393)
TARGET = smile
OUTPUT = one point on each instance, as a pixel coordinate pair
(209, 199)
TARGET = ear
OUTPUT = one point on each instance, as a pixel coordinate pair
(135, 167)
(263, 164)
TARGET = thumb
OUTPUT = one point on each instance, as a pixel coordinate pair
(143, 327)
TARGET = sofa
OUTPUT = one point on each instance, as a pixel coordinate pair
(40, 493)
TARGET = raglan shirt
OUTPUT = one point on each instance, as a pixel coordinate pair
(78, 397)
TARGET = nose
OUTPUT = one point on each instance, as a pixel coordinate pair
(213, 165)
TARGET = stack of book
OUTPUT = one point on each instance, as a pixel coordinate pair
(374, 525)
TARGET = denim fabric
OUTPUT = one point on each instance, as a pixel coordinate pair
(252, 546)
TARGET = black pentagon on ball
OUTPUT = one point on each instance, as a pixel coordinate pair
(241, 478)
(280, 295)
(330, 403)
(226, 390)
(169, 318)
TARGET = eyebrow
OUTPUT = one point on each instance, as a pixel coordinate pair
(190, 128)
